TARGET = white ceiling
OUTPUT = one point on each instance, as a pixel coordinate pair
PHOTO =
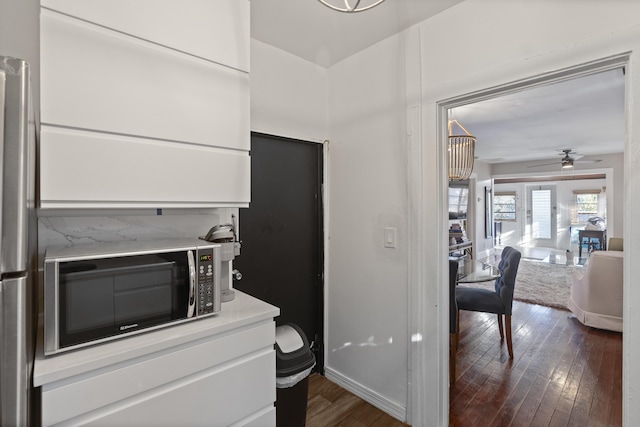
(585, 114)
(310, 30)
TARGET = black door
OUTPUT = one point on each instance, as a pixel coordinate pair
(281, 231)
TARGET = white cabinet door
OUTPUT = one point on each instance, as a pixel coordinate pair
(100, 80)
(139, 116)
(94, 170)
(214, 30)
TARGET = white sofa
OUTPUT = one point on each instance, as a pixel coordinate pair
(596, 295)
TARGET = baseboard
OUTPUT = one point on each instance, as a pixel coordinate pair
(390, 407)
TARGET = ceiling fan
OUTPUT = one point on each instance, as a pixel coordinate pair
(569, 157)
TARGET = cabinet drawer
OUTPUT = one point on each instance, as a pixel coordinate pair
(233, 371)
(266, 418)
(215, 30)
(213, 398)
(92, 170)
(96, 79)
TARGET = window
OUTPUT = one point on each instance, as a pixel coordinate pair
(586, 205)
(504, 206)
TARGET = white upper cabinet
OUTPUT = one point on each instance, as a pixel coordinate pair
(216, 30)
(143, 102)
(102, 80)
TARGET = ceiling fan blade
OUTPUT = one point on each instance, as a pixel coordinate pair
(587, 161)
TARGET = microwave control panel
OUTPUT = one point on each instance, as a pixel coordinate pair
(205, 282)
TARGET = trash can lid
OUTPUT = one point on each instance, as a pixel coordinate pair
(293, 354)
(288, 338)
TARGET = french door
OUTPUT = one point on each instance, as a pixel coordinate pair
(541, 224)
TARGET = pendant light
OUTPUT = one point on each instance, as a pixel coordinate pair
(350, 6)
(461, 153)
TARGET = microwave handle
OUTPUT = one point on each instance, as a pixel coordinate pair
(192, 284)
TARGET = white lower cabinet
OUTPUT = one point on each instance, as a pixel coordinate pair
(216, 397)
(223, 379)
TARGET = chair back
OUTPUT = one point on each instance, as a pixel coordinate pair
(453, 304)
(505, 284)
(615, 244)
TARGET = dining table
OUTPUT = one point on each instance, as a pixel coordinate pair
(472, 271)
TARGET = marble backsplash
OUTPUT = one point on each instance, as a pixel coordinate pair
(71, 228)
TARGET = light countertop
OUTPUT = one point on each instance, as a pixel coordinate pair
(242, 311)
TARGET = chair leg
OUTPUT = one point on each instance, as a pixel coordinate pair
(500, 327)
(457, 337)
(507, 321)
(452, 358)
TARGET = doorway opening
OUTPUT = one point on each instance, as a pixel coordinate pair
(542, 228)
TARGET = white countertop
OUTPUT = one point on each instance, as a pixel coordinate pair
(243, 310)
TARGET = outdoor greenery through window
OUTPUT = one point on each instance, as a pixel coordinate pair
(587, 206)
(504, 206)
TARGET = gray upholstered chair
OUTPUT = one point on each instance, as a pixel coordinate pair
(499, 301)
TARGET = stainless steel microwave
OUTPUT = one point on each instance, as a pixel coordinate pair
(99, 292)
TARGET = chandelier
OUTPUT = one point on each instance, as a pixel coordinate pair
(350, 6)
(461, 152)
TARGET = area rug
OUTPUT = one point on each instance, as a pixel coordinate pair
(540, 283)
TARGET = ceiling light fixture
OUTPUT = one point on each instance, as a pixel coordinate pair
(567, 163)
(351, 6)
(461, 153)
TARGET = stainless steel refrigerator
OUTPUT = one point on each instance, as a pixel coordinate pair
(18, 243)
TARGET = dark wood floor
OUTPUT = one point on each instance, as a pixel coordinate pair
(562, 374)
(330, 405)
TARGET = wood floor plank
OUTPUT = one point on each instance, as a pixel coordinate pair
(563, 373)
(330, 405)
(334, 413)
(615, 410)
(538, 371)
(560, 362)
(527, 372)
(599, 414)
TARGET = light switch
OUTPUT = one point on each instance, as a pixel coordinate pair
(390, 237)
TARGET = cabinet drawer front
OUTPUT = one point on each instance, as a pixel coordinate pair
(215, 398)
(214, 30)
(96, 79)
(88, 169)
(235, 369)
(266, 418)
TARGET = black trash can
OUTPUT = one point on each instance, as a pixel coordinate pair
(294, 362)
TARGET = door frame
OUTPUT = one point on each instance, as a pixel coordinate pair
(429, 177)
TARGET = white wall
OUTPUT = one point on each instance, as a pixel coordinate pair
(499, 42)
(366, 300)
(367, 295)
(288, 95)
